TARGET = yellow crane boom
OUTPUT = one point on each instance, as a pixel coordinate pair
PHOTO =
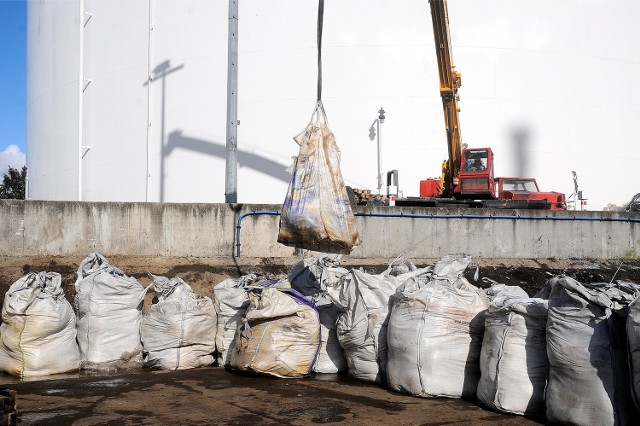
(450, 82)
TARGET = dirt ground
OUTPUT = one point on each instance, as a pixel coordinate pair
(204, 273)
(214, 396)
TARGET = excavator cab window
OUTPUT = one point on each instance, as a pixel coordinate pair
(475, 160)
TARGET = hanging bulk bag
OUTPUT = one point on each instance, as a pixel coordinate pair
(316, 214)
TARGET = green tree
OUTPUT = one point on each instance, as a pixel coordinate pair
(14, 184)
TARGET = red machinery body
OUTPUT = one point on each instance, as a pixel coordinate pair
(510, 188)
(476, 174)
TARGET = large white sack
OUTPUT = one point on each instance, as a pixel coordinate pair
(362, 328)
(314, 274)
(109, 308)
(179, 330)
(316, 213)
(435, 333)
(633, 336)
(311, 277)
(279, 336)
(513, 360)
(230, 302)
(38, 328)
(589, 380)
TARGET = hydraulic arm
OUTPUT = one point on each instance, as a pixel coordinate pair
(450, 82)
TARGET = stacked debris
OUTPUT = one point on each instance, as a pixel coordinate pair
(363, 197)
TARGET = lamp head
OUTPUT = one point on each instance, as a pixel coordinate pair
(381, 117)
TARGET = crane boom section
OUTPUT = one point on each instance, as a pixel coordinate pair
(450, 82)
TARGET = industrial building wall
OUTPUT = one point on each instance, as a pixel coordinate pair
(210, 230)
(52, 99)
(550, 86)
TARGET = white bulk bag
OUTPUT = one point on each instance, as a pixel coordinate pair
(316, 213)
(314, 274)
(435, 333)
(311, 277)
(362, 328)
(109, 308)
(179, 330)
(633, 336)
(589, 380)
(331, 358)
(279, 336)
(38, 331)
(513, 360)
(230, 302)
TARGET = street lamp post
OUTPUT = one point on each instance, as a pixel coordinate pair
(379, 121)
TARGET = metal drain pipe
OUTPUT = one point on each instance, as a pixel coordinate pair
(238, 225)
(446, 216)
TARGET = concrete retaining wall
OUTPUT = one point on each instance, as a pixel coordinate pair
(209, 230)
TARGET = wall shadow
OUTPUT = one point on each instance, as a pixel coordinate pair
(214, 149)
(176, 140)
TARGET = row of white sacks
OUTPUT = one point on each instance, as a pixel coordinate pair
(426, 332)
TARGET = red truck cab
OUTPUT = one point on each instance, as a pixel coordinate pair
(509, 188)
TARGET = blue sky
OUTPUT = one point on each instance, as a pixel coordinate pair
(13, 90)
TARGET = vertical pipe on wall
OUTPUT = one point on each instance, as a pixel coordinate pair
(230, 183)
(81, 23)
(149, 79)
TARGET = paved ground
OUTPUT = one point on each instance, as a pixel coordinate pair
(210, 396)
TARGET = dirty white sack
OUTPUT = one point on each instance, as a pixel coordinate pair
(109, 313)
(279, 336)
(179, 330)
(311, 277)
(589, 380)
(513, 360)
(633, 336)
(38, 331)
(362, 328)
(316, 213)
(435, 333)
(230, 302)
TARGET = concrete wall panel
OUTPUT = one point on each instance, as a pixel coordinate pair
(209, 230)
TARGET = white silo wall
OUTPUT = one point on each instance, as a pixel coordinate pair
(559, 75)
(52, 95)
